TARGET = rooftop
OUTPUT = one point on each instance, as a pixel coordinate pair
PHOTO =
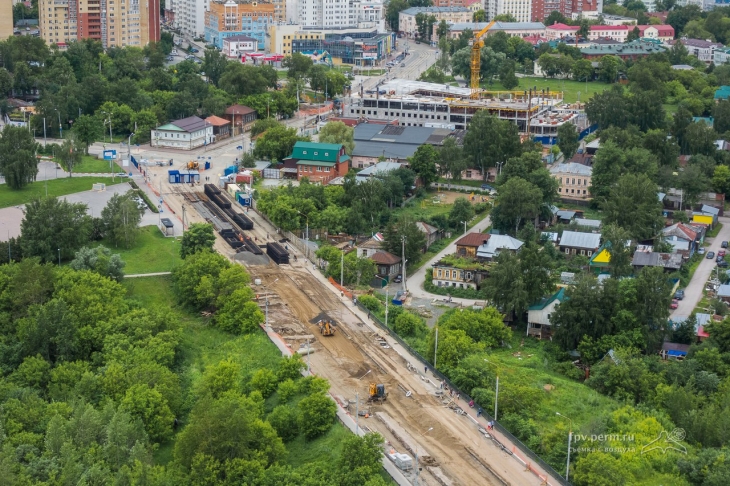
(628, 49)
(473, 239)
(495, 243)
(477, 26)
(571, 168)
(379, 168)
(672, 261)
(189, 124)
(546, 301)
(239, 110)
(417, 10)
(575, 239)
(699, 43)
(322, 152)
(383, 257)
(217, 121)
(239, 38)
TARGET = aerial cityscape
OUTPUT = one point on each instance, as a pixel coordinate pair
(364, 242)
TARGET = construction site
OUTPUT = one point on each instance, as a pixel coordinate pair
(382, 387)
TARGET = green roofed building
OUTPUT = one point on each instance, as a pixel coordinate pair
(319, 162)
(538, 315)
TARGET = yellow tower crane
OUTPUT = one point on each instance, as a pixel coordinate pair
(476, 63)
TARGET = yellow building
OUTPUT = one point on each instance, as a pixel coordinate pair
(574, 180)
(6, 19)
(281, 36)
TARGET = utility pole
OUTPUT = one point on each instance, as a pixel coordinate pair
(45, 142)
(403, 241)
(342, 269)
(496, 397)
(435, 348)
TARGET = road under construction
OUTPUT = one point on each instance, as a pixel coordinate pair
(417, 418)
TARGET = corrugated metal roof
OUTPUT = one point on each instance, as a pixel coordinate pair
(571, 168)
(190, 124)
(574, 239)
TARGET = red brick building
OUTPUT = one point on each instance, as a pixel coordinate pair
(541, 9)
(320, 162)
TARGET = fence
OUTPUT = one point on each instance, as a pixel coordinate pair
(294, 240)
(522, 447)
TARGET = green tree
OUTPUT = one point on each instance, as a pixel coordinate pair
(568, 140)
(608, 68)
(316, 415)
(507, 75)
(582, 70)
(423, 162)
(121, 217)
(228, 428)
(490, 140)
(693, 182)
(404, 227)
(88, 130)
(151, 407)
(721, 179)
(195, 281)
(338, 133)
(143, 122)
(277, 143)
(285, 420)
(462, 211)
(407, 324)
(101, 261)
(18, 164)
(298, 65)
(633, 205)
(392, 11)
(69, 154)
(199, 237)
(214, 65)
(519, 201)
(51, 225)
(609, 108)
(360, 460)
(615, 239)
(451, 159)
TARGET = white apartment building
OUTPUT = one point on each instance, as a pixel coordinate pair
(190, 16)
(452, 15)
(521, 10)
(338, 13)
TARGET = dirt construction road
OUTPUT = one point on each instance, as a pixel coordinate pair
(354, 350)
(453, 452)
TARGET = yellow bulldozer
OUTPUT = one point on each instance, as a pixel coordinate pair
(193, 165)
(327, 328)
(377, 393)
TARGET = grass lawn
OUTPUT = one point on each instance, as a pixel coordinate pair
(151, 253)
(90, 164)
(56, 187)
(569, 87)
(714, 231)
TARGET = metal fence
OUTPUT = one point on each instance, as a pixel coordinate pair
(523, 448)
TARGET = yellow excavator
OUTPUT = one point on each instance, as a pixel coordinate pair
(476, 62)
(326, 328)
(193, 165)
(377, 393)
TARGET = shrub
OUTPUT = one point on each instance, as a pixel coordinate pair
(284, 420)
(317, 414)
(371, 303)
(264, 380)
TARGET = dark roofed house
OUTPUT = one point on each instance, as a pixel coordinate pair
(670, 262)
(221, 126)
(387, 264)
(186, 134)
(467, 245)
(242, 118)
(431, 233)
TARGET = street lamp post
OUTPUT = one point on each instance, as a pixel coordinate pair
(403, 241)
(59, 257)
(570, 439)
(60, 127)
(464, 222)
(267, 306)
(387, 298)
(307, 234)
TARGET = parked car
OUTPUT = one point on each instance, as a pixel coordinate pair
(701, 251)
(679, 294)
(721, 253)
(674, 304)
(170, 58)
(719, 258)
(724, 244)
(398, 278)
(710, 255)
(722, 264)
(194, 50)
(403, 65)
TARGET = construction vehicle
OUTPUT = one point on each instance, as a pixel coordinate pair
(476, 62)
(326, 328)
(193, 165)
(377, 393)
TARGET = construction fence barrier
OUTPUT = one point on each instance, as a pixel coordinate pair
(529, 458)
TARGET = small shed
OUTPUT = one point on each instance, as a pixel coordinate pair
(167, 227)
(674, 351)
(188, 176)
(173, 176)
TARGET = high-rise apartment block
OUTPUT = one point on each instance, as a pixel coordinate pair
(6, 19)
(231, 18)
(541, 9)
(112, 22)
(341, 14)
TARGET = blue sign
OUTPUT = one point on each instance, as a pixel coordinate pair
(110, 154)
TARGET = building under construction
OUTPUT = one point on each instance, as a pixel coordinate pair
(421, 104)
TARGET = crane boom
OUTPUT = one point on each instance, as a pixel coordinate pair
(476, 61)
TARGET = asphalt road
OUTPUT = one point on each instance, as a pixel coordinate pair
(415, 281)
(693, 292)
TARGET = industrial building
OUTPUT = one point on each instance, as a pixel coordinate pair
(421, 104)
